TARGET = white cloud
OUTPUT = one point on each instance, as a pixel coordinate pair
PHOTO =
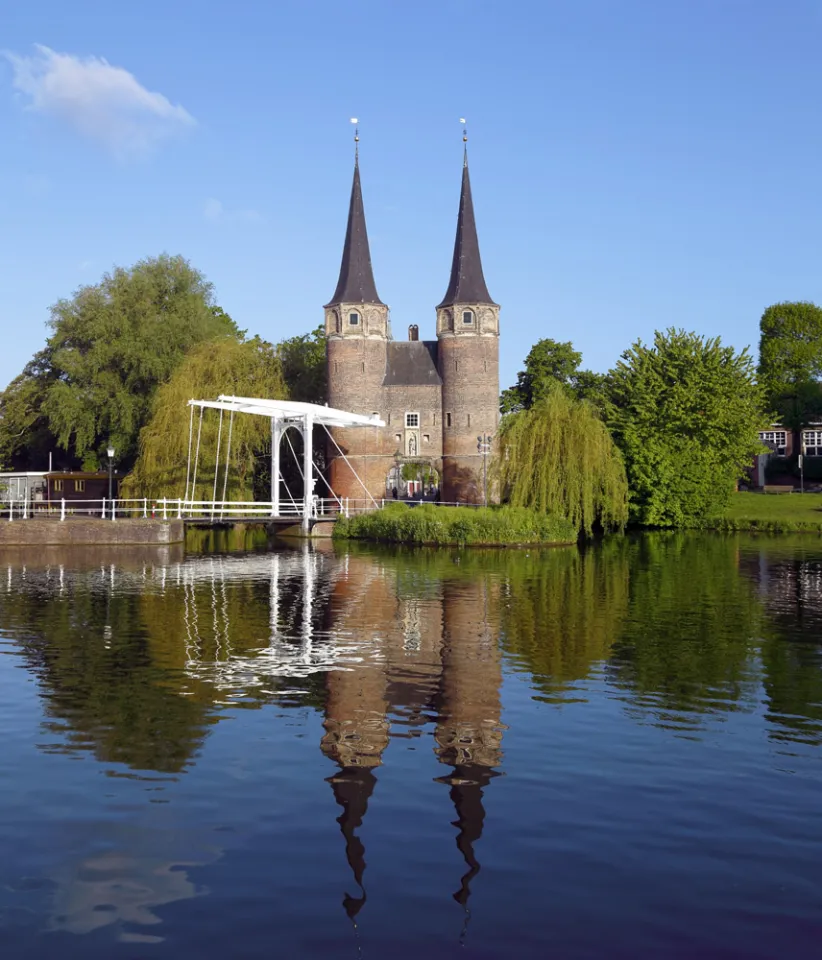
(102, 102)
(214, 211)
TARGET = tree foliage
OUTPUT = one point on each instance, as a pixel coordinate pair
(686, 414)
(25, 438)
(110, 346)
(557, 457)
(550, 362)
(250, 368)
(790, 361)
(304, 367)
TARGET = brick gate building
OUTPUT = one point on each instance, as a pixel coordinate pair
(437, 397)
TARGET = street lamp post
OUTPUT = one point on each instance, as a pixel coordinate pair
(110, 452)
(484, 447)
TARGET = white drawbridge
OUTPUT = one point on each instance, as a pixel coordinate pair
(284, 416)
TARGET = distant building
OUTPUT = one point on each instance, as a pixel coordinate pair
(782, 444)
(33, 488)
(437, 397)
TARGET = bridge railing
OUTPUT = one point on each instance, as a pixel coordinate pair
(166, 509)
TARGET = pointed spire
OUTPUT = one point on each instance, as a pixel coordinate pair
(467, 283)
(356, 283)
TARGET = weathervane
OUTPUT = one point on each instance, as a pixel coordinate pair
(464, 130)
(355, 121)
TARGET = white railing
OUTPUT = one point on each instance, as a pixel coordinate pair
(166, 509)
(203, 510)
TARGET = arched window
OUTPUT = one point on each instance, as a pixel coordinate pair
(467, 317)
(354, 319)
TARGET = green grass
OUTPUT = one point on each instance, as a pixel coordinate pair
(476, 526)
(772, 513)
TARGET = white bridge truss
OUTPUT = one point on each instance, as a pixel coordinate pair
(284, 416)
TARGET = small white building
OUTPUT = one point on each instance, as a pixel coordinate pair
(23, 487)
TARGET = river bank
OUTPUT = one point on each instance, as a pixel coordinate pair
(771, 513)
(90, 531)
(431, 525)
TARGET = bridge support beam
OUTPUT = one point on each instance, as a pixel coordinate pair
(308, 471)
(276, 438)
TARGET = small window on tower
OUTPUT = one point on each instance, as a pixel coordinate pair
(448, 419)
(354, 319)
(467, 316)
(412, 420)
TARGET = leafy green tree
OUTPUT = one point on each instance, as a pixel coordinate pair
(790, 361)
(25, 438)
(550, 362)
(686, 413)
(557, 457)
(248, 368)
(110, 347)
(304, 367)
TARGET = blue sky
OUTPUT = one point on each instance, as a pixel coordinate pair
(635, 164)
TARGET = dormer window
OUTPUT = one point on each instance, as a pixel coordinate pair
(354, 319)
(467, 317)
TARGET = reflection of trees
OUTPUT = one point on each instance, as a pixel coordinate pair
(102, 689)
(687, 641)
(562, 610)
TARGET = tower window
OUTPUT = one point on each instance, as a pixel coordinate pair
(448, 419)
(467, 316)
(469, 419)
(412, 420)
(354, 319)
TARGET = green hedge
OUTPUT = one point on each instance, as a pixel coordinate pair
(430, 524)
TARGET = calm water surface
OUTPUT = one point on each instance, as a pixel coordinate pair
(360, 753)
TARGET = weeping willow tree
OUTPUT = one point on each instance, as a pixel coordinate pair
(558, 457)
(248, 368)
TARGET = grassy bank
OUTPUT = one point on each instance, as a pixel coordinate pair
(476, 526)
(772, 513)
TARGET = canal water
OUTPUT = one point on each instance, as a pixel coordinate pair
(354, 752)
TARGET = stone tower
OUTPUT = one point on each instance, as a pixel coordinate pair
(468, 335)
(357, 331)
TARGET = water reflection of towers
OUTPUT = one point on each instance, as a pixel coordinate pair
(439, 660)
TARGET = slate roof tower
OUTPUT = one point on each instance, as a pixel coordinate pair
(468, 333)
(357, 331)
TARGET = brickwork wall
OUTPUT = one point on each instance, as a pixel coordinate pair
(469, 367)
(356, 369)
(91, 531)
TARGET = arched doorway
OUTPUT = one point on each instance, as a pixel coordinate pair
(412, 480)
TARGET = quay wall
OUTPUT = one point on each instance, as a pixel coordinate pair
(78, 531)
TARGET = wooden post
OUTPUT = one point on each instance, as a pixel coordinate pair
(113, 509)
(165, 517)
(145, 508)
(63, 509)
